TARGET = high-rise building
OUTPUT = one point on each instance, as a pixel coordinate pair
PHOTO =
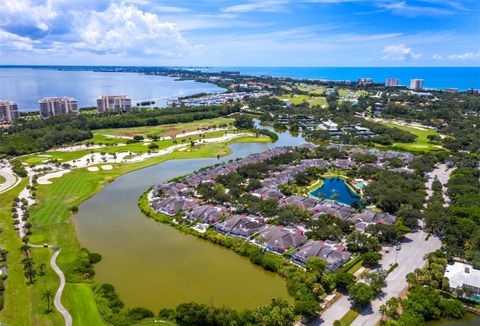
(8, 111)
(114, 103)
(52, 106)
(364, 81)
(416, 84)
(392, 82)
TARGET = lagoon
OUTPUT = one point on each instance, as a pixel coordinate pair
(337, 190)
(156, 266)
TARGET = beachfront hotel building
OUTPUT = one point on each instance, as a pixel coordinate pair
(8, 111)
(53, 106)
(416, 84)
(392, 82)
(114, 103)
(365, 81)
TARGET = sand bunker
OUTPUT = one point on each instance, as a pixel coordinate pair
(92, 169)
(45, 179)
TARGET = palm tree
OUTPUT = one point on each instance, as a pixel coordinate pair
(42, 267)
(30, 271)
(27, 263)
(47, 295)
(25, 248)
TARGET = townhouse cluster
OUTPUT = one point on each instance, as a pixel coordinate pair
(180, 199)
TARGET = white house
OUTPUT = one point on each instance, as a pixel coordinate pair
(463, 276)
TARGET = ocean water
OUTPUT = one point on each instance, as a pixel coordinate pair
(26, 86)
(434, 77)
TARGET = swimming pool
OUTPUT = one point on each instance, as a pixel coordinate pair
(360, 186)
(336, 189)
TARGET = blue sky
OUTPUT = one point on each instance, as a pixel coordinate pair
(241, 32)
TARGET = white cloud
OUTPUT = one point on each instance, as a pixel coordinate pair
(27, 12)
(168, 9)
(403, 8)
(97, 26)
(332, 1)
(9, 41)
(399, 52)
(258, 5)
(125, 29)
(465, 56)
(436, 56)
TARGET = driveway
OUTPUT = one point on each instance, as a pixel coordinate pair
(410, 257)
(442, 172)
(413, 249)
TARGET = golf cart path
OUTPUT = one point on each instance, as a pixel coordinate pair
(58, 295)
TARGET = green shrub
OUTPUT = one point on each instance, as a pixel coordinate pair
(139, 313)
(94, 258)
(371, 258)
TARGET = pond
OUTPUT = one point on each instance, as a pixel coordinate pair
(336, 189)
(468, 319)
(154, 265)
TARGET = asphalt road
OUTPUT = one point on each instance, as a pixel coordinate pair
(410, 257)
(413, 249)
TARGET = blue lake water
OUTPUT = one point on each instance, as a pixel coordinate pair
(26, 86)
(337, 190)
(435, 77)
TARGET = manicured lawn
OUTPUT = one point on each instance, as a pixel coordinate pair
(2, 179)
(348, 318)
(17, 309)
(316, 90)
(81, 302)
(35, 159)
(23, 303)
(297, 99)
(137, 148)
(355, 267)
(49, 281)
(316, 184)
(420, 144)
(165, 130)
(52, 223)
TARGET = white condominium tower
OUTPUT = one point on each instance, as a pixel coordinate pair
(8, 111)
(114, 103)
(52, 106)
(416, 84)
(392, 82)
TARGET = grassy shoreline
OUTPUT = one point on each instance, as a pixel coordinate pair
(52, 222)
